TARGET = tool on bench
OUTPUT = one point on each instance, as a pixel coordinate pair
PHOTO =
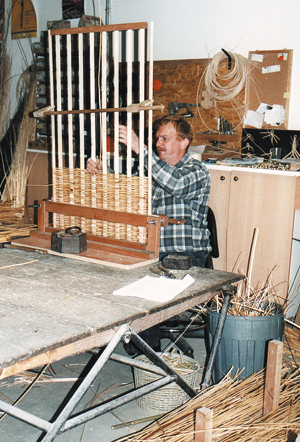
(71, 240)
(25, 248)
(162, 271)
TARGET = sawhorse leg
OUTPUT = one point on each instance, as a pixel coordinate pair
(216, 341)
(64, 422)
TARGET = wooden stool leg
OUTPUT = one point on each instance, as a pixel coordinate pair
(273, 376)
(203, 425)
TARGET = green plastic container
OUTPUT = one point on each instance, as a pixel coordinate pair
(244, 342)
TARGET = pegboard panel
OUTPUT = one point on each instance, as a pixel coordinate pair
(179, 81)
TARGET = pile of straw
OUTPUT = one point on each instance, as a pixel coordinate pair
(16, 176)
(237, 413)
(12, 222)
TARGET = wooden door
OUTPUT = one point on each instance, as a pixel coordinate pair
(264, 201)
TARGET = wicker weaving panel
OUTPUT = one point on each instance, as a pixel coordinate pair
(104, 191)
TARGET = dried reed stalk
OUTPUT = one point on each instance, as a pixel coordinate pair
(5, 74)
(15, 186)
(237, 408)
(109, 191)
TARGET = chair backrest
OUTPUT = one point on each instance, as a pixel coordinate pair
(212, 227)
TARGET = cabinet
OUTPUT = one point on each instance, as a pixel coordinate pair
(245, 199)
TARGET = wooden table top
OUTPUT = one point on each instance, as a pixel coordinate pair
(52, 307)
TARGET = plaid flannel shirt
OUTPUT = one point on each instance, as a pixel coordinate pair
(181, 192)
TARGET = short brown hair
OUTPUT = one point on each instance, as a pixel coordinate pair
(182, 126)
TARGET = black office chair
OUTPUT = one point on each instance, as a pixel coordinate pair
(212, 227)
(172, 328)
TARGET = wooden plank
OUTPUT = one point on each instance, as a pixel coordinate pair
(203, 425)
(110, 257)
(104, 28)
(133, 219)
(273, 376)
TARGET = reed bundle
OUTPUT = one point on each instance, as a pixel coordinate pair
(237, 413)
(291, 355)
(104, 191)
(10, 214)
(5, 75)
(16, 176)
(12, 222)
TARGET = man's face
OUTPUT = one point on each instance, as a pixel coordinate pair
(171, 148)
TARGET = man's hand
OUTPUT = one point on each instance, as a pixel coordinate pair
(135, 144)
(93, 166)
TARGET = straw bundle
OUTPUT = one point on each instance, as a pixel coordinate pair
(15, 187)
(12, 222)
(5, 73)
(107, 191)
(292, 348)
(237, 413)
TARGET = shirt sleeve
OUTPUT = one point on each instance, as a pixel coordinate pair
(185, 180)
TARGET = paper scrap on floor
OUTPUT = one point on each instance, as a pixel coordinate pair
(156, 289)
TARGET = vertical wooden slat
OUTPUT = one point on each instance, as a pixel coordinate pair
(58, 99)
(150, 119)
(81, 100)
(103, 125)
(92, 94)
(129, 98)
(103, 116)
(116, 43)
(129, 60)
(142, 63)
(70, 100)
(81, 122)
(203, 425)
(53, 131)
(273, 376)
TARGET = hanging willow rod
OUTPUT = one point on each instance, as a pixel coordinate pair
(133, 108)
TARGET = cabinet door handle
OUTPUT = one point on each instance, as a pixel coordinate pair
(236, 178)
(222, 178)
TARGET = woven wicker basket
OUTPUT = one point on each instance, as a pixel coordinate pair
(170, 396)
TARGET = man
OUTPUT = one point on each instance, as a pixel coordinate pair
(181, 187)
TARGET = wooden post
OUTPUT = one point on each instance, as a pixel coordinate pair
(203, 425)
(273, 376)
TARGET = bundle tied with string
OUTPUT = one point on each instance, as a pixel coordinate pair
(225, 84)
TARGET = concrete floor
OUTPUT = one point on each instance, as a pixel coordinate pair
(44, 399)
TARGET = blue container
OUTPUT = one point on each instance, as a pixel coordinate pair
(244, 342)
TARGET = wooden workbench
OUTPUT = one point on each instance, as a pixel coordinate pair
(54, 307)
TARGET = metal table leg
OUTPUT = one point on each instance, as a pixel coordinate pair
(64, 422)
(216, 341)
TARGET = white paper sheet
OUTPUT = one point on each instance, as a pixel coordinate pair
(254, 119)
(156, 289)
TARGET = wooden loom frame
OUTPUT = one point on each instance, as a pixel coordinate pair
(109, 37)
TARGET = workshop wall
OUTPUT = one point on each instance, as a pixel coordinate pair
(196, 30)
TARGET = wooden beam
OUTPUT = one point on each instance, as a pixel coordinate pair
(132, 108)
(203, 425)
(273, 376)
(99, 28)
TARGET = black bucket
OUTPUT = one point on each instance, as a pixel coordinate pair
(244, 341)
